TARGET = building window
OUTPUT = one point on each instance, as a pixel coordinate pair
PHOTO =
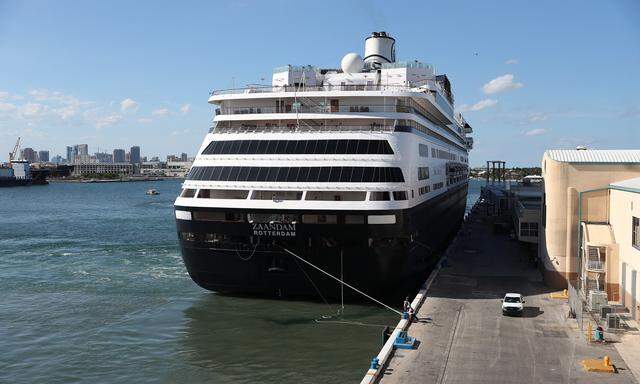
(529, 229)
(423, 173)
(437, 186)
(379, 196)
(217, 216)
(399, 195)
(423, 150)
(189, 193)
(320, 219)
(425, 189)
(635, 227)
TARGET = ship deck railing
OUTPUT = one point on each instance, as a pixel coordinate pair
(305, 128)
(315, 109)
(321, 88)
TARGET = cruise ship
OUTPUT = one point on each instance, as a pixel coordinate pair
(358, 172)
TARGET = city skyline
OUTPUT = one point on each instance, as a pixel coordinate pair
(76, 152)
(524, 86)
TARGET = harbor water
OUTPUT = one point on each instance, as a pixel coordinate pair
(93, 289)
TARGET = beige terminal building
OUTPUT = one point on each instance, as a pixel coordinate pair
(590, 224)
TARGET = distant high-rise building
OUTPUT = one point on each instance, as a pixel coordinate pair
(69, 154)
(43, 156)
(57, 159)
(79, 154)
(183, 156)
(135, 155)
(82, 150)
(30, 155)
(118, 156)
(127, 157)
(172, 158)
(103, 157)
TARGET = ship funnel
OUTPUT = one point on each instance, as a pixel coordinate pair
(379, 48)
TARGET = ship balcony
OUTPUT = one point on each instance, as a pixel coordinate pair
(377, 126)
(319, 108)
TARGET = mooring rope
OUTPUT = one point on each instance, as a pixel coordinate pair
(342, 282)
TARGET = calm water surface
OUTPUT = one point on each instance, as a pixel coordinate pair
(93, 289)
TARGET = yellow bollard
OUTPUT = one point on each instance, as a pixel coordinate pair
(565, 293)
(589, 333)
(607, 362)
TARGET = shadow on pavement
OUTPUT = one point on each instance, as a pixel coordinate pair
(531, 312)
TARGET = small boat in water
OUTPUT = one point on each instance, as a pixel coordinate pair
(152, 192)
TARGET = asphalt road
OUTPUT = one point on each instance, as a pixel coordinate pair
(464, 338)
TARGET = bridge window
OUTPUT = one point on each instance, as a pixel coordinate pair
(299, 174)
(299, 147)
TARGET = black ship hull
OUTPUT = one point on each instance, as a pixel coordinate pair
(14, 182)
(383, 260)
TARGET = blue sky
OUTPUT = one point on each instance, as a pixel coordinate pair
(121, 73)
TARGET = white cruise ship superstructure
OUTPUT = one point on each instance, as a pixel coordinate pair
(362, 171)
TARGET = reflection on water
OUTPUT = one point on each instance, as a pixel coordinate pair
(244, 340)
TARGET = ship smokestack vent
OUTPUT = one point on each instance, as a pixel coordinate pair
(379, 48)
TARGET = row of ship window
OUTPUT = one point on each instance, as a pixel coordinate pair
(299, 174)
(315, 147)
(234, 217)
(238, 194)
(298, 147)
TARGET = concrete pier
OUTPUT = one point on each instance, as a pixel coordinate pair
(464, 338)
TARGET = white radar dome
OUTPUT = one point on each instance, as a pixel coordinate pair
(352, 63)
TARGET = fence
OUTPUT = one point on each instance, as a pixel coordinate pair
(576, 303)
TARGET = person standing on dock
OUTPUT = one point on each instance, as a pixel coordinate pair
(406, 306)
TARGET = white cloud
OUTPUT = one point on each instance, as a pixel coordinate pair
(107, 121)
(185, 109)
(536, 132)
(54, 97)
(161, 112)
(181, 133)
(66, 112)
(145, 120)
(482, 104)
(4, 95)
(501, 84)
(536, 118)
(7, 107)
(129, 105)
(32, 110)
(511, 61)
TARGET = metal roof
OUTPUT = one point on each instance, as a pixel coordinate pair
(595, 155)
(628, 184)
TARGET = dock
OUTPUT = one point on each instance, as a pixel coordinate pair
(461, 335)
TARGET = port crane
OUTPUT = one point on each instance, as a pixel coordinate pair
(13, 154)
